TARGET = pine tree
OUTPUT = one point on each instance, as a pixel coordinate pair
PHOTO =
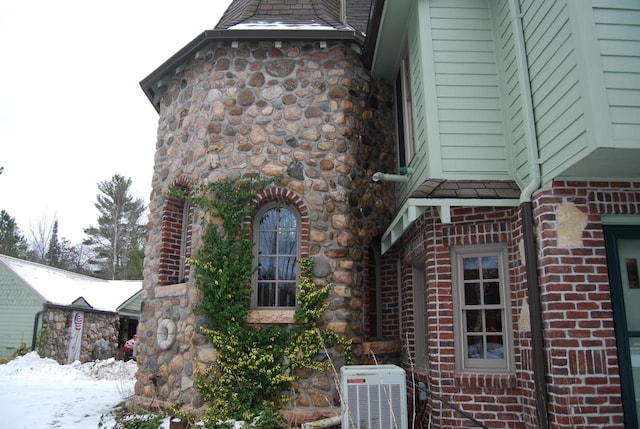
(119, 236)
(53, 258)
(12, 242)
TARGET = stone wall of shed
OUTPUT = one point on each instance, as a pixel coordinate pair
(306, 112)
(99, 334)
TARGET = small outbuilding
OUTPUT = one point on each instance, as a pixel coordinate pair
(67, 316)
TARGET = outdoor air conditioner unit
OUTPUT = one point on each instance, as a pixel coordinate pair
(374, 397)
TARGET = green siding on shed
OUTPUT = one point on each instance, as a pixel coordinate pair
(18, 307)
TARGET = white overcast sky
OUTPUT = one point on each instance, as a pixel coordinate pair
(72, 112)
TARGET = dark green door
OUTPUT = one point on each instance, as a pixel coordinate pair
(623, 256)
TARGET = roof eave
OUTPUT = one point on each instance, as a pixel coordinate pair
(174, 62)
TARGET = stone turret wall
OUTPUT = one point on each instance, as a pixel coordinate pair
(298, 109)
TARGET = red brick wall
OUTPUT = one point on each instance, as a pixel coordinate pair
(584, 385)
(496, 399)
(173, 218)
(388, 310)
(580, 347)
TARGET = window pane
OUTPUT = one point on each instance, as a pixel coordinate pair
(471, 268)
(267, 245)
(287, 243)
(490, 267)
(493, 320)
(266, 268)
(474, 321)
(492, 293)
(286, 294)
(472, 294)
(495, 347)
(287, 268)
(475, 348)
(287, 219)
(266, 294)
(269, 220)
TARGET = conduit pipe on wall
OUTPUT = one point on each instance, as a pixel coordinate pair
(386, 177)
(526, 208)
(324, 423)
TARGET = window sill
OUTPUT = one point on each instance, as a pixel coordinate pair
(495, 380)
(271, 316)
(381, 347)
(166, 291)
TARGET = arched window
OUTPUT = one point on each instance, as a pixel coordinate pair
(277, 238)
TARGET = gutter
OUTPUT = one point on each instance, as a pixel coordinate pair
(373, 29)
(528, 221)
(154, 81)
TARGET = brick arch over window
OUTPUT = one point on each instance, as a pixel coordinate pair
(276, 194)
(176, 237)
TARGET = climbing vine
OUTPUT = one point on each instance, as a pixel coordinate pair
(255, 365)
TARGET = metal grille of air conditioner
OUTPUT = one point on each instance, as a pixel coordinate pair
(374, 397)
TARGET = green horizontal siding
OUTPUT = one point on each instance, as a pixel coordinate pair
(555, 89)
(427, 157)
(470, 117)
(18, 307)
(417, 87)
(618, 30)
(511, 93)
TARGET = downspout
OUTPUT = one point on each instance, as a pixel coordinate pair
(35, 330)
(526, 209)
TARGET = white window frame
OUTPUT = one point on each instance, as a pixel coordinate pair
(404, 111)
(255, 277)
(465, 362)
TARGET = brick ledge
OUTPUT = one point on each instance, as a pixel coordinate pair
(497, 380)
(381, 347)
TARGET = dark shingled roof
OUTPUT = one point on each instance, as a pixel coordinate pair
(358, 14)
(318, 20)
(296, 12)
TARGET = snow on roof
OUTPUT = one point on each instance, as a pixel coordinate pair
(62, 287)
(277, 25)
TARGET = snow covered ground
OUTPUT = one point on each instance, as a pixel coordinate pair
(40, 393)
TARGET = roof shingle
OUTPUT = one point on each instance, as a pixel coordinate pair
(296, 12)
